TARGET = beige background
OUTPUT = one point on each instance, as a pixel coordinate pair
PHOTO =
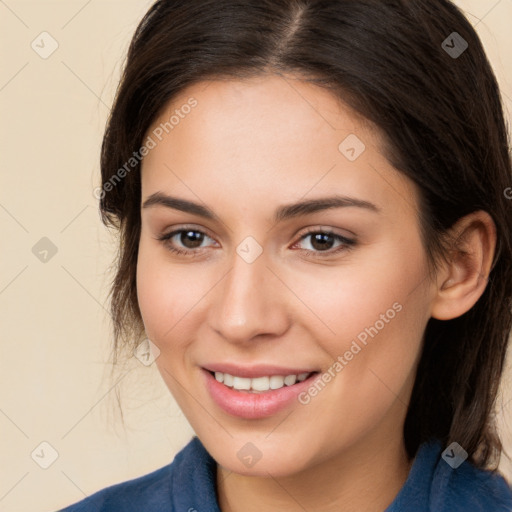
(54, 383)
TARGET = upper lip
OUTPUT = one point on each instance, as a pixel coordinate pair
(256, 370)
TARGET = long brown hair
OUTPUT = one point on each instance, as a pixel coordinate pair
(436, 100)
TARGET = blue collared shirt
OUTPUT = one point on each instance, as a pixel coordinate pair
(188, 484)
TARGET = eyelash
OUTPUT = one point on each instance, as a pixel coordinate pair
(347, 243)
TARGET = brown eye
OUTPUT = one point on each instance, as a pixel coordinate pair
(323, 242)
(184, 241)
(194, 238)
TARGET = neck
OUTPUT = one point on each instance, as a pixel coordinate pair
(364, 478)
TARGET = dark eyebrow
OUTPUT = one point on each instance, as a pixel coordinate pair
(282, 213)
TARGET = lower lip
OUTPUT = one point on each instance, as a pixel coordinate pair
(254, 405)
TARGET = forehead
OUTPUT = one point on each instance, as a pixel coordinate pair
(258, 107)
(265, 139)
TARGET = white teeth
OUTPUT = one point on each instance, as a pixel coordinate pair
(289, 380)
(228, 380)
(276, 382)
(241, 383)
(259, 384)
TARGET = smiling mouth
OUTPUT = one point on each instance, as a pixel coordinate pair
(262, 384)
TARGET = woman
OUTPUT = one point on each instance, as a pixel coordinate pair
(315, 236)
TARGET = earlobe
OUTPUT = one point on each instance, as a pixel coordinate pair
(463, 279)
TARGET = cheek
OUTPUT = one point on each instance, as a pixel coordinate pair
(166, 295)
(379, 292)
(376, 316)
(169, 296)
(157, 295)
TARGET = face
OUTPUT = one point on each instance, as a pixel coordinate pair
(335, 293)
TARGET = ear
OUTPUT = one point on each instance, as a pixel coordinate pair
(462, 281)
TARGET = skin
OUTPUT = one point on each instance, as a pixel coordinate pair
(247, 148)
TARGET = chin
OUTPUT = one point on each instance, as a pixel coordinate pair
(262, 457)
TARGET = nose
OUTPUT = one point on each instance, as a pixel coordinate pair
(250, 301)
